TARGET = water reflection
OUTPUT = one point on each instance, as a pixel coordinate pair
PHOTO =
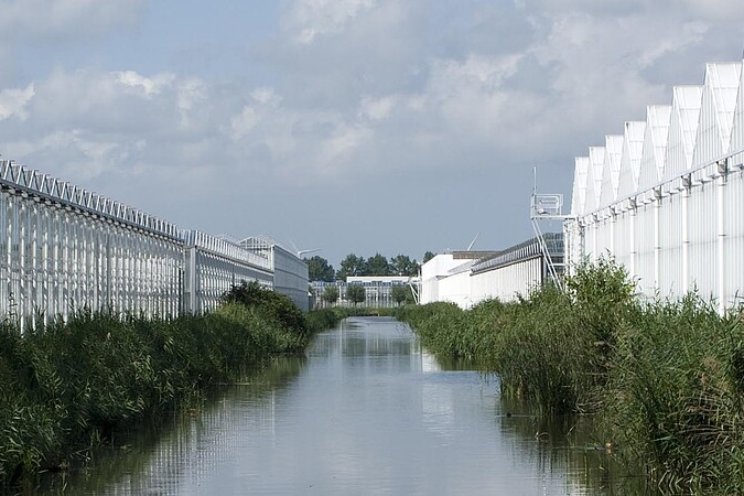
(368, 412)
(187, 447)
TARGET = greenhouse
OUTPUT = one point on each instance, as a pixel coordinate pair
(666, 198)
(468, 278)
(64, 249)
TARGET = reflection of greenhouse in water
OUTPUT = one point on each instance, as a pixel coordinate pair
(63, 248)
(198, 447)
(369, 411)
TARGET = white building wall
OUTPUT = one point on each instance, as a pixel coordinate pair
(621, 248)
(611, 169)
(515, 271)
(655, 140)
(581, 176)
(682, 228)
(431, 274)
(686, 102)
(630, 163)
(734, 240)
(213, 265)
(645, 270)
(456, 289)
(594, 179)
(291, 276)
(505, 283)
(63, 249)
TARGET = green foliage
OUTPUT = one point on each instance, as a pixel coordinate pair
(327, 318)
(602, 295)
(377, 265)
(65, 387)
(543, 352)
(427, 256)
(400, 293)
(402, 265)
(330, 294)
(319, 269)
(674, 396)
(273, 305)
(665, 380)
(352, 265)
(355, 293)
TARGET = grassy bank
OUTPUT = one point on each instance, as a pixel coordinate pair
(66, 387)
(665, 381)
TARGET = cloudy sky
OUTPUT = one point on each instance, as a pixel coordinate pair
(396, 126)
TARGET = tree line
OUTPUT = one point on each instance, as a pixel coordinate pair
(353, 265)
(355, 293)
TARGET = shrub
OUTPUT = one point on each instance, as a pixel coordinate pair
(66, 386)
(274, 305)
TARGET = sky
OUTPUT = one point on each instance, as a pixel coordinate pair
(349, 126)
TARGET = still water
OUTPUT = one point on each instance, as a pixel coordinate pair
(366, 412)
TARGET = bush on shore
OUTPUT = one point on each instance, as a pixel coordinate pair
(665, 380)
(67, 386)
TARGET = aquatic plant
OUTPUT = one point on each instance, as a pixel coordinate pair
(67, 386)
(664, 379)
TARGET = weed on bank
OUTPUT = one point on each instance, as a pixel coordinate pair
(66, 386)
(664, 380)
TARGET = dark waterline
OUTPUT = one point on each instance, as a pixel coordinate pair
(367, 411)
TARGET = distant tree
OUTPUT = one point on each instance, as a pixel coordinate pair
(319, 269)
(402, 265)
(378, 265)
(355, 293)
(330, 294)
(427, 256)
(400, 293)
(352, 265)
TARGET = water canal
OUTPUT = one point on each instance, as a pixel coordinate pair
(366, 412)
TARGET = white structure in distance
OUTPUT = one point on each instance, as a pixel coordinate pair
(289, 270)
(467, 278)
(377, 289)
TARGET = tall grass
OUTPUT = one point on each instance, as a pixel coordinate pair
(674, 399)
(664, 380)
(65, 387)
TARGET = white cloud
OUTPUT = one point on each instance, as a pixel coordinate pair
(342, 144)
(85, 156)
(309, 19)
(377, 109)
(715, 10)
(13, 102)
(190, 92)
(27, 19)
(242, 124)
(450, 76)
(266, 95)
(148, 86)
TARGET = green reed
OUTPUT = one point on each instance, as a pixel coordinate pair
(664, 380)
(67, 386)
